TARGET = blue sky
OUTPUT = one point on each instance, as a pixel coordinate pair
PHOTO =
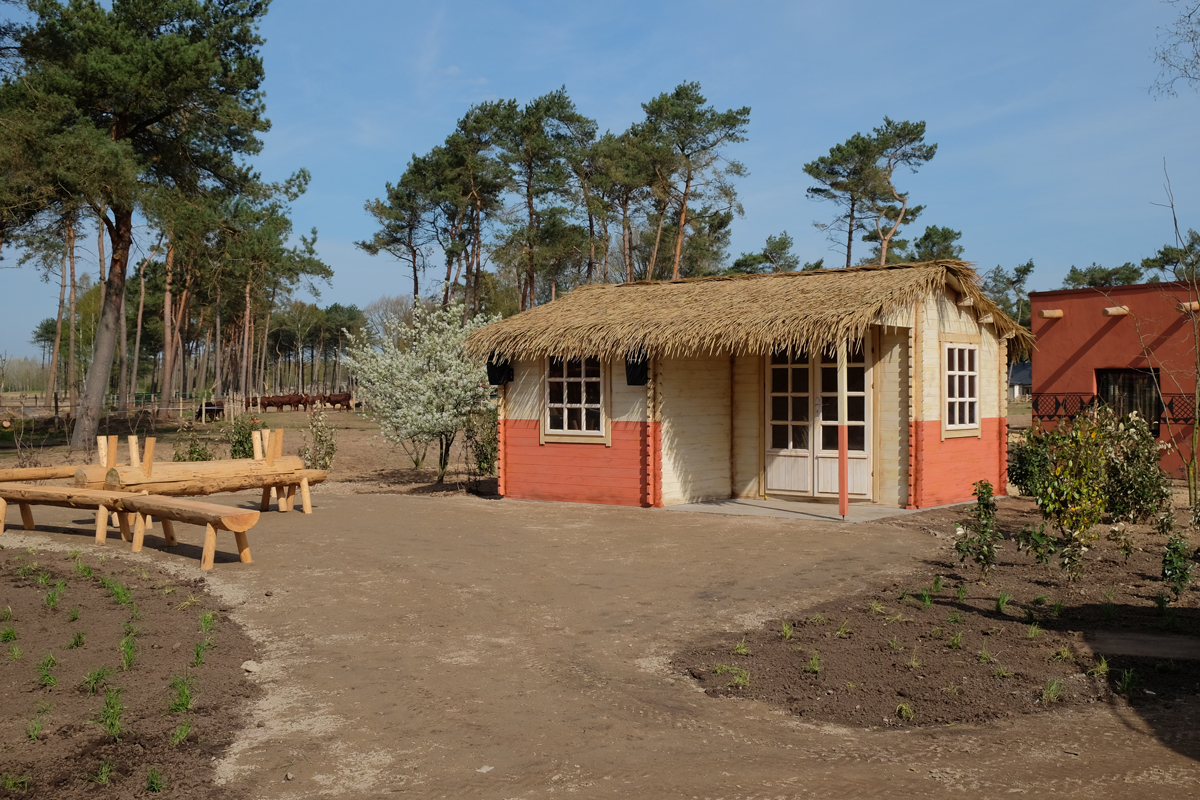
(1050, 145)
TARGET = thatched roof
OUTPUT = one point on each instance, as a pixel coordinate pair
(745, 314)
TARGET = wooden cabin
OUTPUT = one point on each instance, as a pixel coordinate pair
(883, 385)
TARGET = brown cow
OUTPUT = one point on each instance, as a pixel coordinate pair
(335, 400)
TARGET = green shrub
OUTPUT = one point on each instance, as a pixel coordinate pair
(319, 454)
(1176, 571)
(1136, 488)
(1028, 465)
(190, 447)
(482, 437)
(239, 434)
(979, 539)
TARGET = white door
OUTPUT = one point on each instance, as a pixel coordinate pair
(802, 423)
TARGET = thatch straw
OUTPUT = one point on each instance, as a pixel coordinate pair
(743, 314)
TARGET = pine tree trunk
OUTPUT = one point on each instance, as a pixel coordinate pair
(245, 365)
(137, 337)
(62, 295)
(168, 363)
(850, 232)
(217, 388)
(72, 369)
(123, 372)
(687, 188)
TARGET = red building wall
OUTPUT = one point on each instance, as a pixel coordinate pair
(581, 473)
(1154, 334)
(942, 472)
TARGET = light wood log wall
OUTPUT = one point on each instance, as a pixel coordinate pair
(748, 425)
(891, 376)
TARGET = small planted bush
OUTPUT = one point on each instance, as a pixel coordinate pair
(1176, 566)
(978, 539)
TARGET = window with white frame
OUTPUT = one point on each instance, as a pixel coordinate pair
(573, 393)
(962, 386)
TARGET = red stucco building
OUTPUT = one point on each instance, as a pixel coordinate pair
(1132, 347)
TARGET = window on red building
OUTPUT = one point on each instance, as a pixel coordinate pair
(1129, 390)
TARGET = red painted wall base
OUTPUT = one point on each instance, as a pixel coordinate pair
(946, 471)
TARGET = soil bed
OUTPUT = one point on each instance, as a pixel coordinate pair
(50, 743)
(895, 656)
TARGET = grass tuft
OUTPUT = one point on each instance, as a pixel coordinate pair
(103, 773)
(154, 781)
(961, 594)
(956, 641)
(1001, 672)
(119, 592)
(1063, 654)
(1127, 682)
(1100, 670)
(181, 732)
(128, 652)
(1002, 600)
(74, 615)
(198, 660)
(109, 717)
(740, 676)
(937, 584)
(894, 643)
(14, 783)
(83, 570)
(814, 663)
(15, 652)
(843, 631)
(985, 657)
(954, 618)
(876, 607)
(76, 640)
(93, 679)
(207, 620)
(739, 649)
(904, 711)
(1052, 692)
(1033, 631)
(816, 619)
(8, 634)
(48, 663)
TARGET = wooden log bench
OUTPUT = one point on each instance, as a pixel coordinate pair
(168, 509)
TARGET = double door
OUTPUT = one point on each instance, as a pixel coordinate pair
(802, 422)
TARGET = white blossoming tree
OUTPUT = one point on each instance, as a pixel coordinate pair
(418, 382)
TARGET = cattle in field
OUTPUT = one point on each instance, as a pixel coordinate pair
(335, 400)
(209, 410)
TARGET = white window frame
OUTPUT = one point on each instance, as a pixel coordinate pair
(967, 382)
(549, 434)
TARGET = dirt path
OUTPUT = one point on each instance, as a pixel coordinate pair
(454, 647)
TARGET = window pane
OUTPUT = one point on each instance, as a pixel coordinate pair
(574, 368)
(592, 418)
(779, 437)
(962, 413)
(962, 360)
(951, 382)
(829, 356)
(591, 393)
(971, 413)
(971, 387)
(799, 409)
(800, 380)
(556, 419)
(951, 417)
(799, 437)
(556, 368)
(556, 393)
(857, 434)
(800, 356)
(951, 359)
(592, 366)
(779, 409)
(780, 357)
(573, 419)
(829, 379)
(829, 409)
(855, 354)
(779, 380)
(829, 437)
(574, 392)
(962, 386)
(856, 409)
(971, 359)
(856, 379)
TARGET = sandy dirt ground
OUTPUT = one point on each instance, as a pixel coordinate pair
(456, 646)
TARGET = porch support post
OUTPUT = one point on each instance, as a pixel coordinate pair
(843, 433)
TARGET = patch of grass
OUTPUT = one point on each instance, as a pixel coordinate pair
(1001, 672)
(182, 686)
(850, 686)
(816, 619)
(1002, 600)
(1161, 601)
(83, 570)
(198, 659)
(904, 593)
(74, 554)
(894, 643)
(876, 607)
(937, 584)
(43, 578)
(814, 663)
(34, 729)
(740, 676)
(843, 631)
(14, 783)
(15, 652)
(951, 689)
(77, 640)
(890, 620)
(45, 678)
(103, 773)
(6, 614)
(739, 649)
(936, 632)
(961, 594)
(1033, 631)
(8, 634)
(926, 600)
(1063, 654)
(93, 679)
(109, 717)
(914, 662)
(787, 631)
(1056, 609)
(1127, 682)
(904, 711)
(74, 615)
(119, 592)
(191, 601)
(985, 657)
(1040, 600)
(954, 618)
(25, 570)
(55, 594)
(207, 620)
(128, 652)
(181, 732)
(1051, 692)
(1100, 670)
(154, 781)
(956, 641)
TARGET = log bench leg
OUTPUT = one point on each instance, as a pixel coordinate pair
(123, 521)
(26, 515)
(101, 525)
(243, 546)
(305, 496)
(291, 497)
(3, 510)
(210, 547)
(266, 499)
(281, 498)
(168, 531)
(139, 532)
